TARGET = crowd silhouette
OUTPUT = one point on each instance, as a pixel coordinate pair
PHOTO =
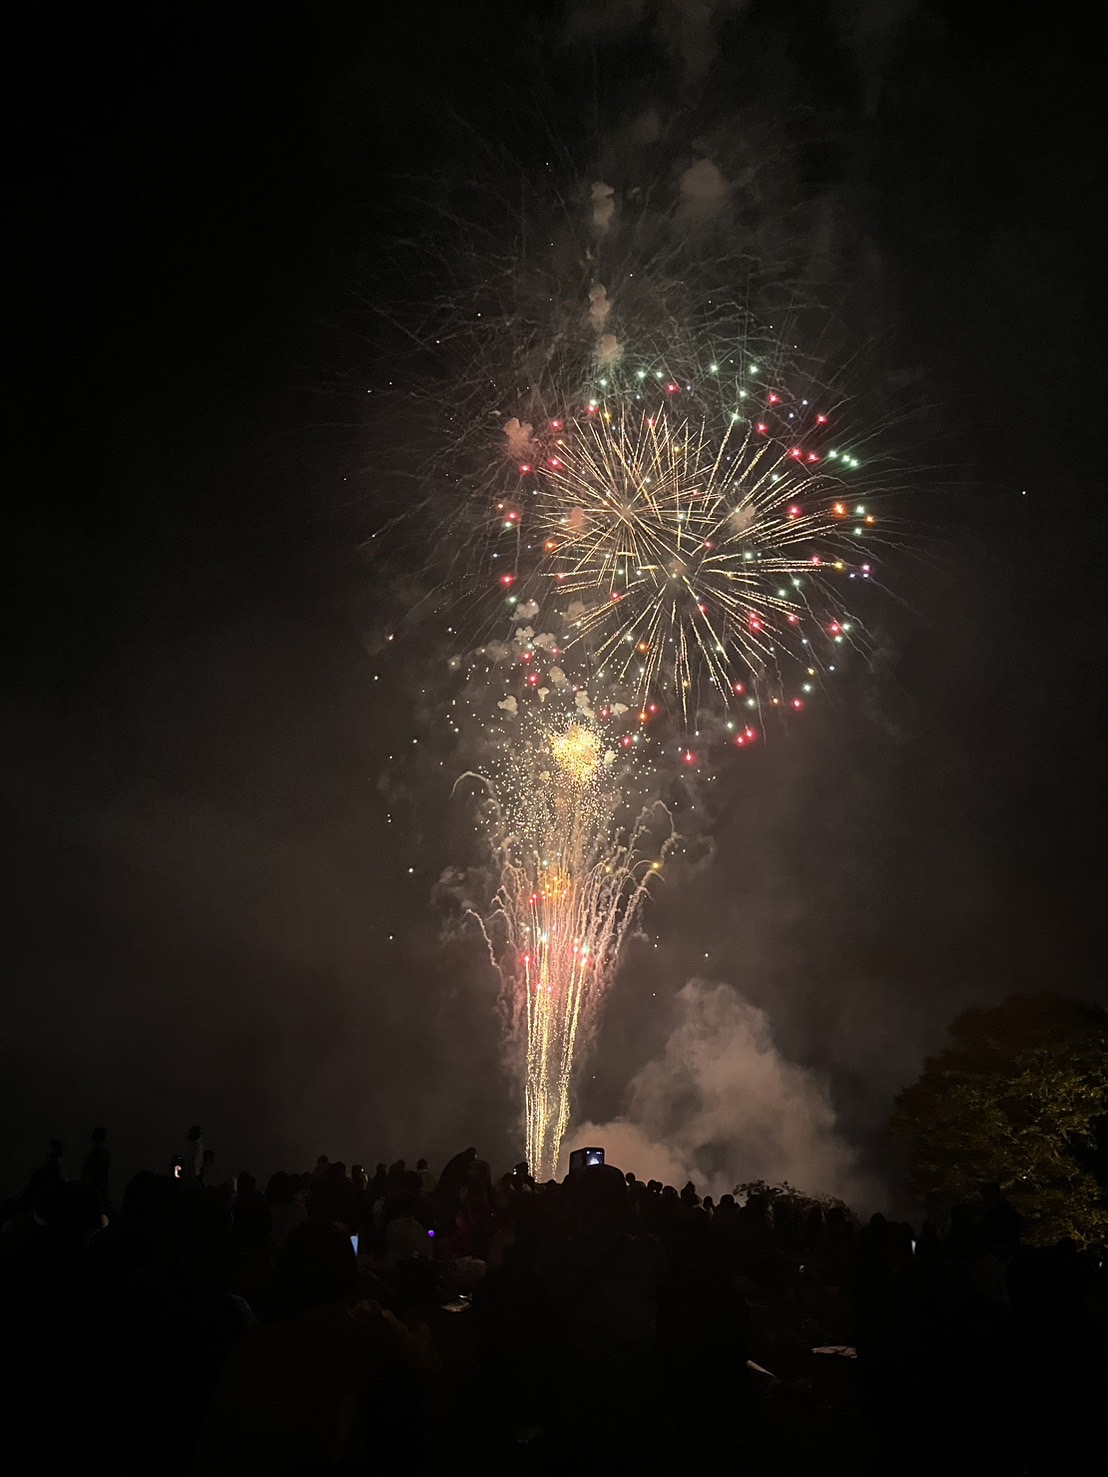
(341, 1320)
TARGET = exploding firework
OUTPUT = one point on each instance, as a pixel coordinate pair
(574, 869)
(691, 543)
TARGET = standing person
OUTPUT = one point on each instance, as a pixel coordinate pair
(98, 1163)
(46, 1180)
(206, 1173)
(192, 1155)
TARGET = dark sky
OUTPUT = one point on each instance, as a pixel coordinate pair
(199, 886)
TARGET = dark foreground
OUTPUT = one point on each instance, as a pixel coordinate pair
(600, 1325)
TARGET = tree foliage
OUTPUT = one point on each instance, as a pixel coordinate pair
(1020, 1098)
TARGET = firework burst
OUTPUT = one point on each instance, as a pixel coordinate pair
(693, 543)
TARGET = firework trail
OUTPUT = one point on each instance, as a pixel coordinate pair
(574, 869)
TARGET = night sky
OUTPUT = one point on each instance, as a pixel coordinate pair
(206, 917)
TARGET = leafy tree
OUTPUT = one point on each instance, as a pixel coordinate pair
(1019, 1098)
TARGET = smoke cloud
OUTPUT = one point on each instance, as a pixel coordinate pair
(704, 191)
(720, 1105)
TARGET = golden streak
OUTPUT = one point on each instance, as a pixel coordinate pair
(572, 880)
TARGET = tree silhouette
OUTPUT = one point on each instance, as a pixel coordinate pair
(1019, 1098)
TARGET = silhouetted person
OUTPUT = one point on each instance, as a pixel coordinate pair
(286, 1207)
(252, 1218)
(98, 1163)
(206, 1173)
(1000, 1222)
(46, 1180)
(448, 1191)
(325, 1383)
(192, 1155)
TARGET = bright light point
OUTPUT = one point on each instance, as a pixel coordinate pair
(713, 368)
(742, 396)
(507, 579)
(689, 757)
(821, 420)
(760, 428)
(798, 703)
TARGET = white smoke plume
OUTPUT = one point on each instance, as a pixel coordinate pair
(609, 350)
(600, 306)
(520, 436)
(721, 1106)
(704, 191)
(603, 205)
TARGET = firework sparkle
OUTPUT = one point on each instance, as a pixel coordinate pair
(574, 865)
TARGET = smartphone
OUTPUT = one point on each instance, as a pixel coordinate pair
(586, 1158)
